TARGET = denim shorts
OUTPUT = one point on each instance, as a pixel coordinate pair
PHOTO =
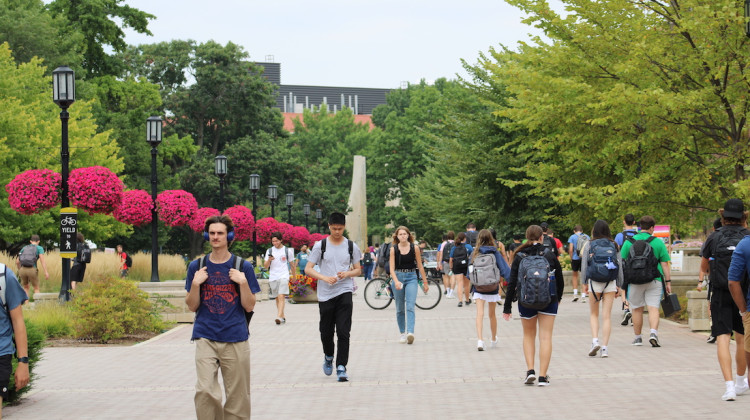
(527, 313)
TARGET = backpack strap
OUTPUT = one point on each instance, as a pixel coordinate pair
(323, 248)
(650, 238)
(351, 251)
(631, 240)
(3, 283)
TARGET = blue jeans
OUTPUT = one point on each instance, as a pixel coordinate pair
(368, 271)
(405, 299)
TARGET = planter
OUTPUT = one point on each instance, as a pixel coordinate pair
(310, 297)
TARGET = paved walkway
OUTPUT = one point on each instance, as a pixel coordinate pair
(440, 376)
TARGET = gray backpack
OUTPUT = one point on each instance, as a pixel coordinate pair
(28, 255)
(485, 276)
(534, 281)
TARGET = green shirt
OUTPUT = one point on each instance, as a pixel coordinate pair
(660, 250)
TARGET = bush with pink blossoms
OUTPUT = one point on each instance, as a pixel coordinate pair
(198, 221)
(243, 220)
(315, 237)
(176, 207)
(95, 189)
(34, 190)
(298, 236)
(135, 208)
(264, 228)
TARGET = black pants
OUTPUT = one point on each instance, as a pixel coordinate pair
(336, 315)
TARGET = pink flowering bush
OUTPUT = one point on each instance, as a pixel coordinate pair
(198, 221)
(176, 207)
(298, 236)
(264, 228)
(315, 237)
(34, 190)
(243, 220)
(135, 208)
(95, 189)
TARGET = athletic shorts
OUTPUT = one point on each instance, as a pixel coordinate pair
(461, 270)
(29, 275)
(746, 324)
(598, 287)
(527, 313)
(446, 268)
(278, 287)
(640, 295)
(575, 265)
(6, 369)
(725, 317)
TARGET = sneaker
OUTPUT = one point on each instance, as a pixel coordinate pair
(730, 393)
(575, 298)
(460, 304)
(493, 343)
(530, 377)
(711, 339)
(445, 292)
(654, 340)
(742, 388)
(409, 338)
(583, 299)
(278, 321)
(341, 373)
(638, 341)
(594, 349)
(402, 340)
(468, 302)
(543, 381)
(626, 318)
(283, 320)
(480, 345)
(605, 354)
(328, 365)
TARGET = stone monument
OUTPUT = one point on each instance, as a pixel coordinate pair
(356, 219)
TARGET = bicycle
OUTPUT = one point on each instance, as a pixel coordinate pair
(378, 294)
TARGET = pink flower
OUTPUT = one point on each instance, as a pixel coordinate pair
(243, 220)
(176, 207)
(298, 236)
(315, 237)
(198, 221)
(264, 228)
(135, 208)
(95, 189)
(34, 190)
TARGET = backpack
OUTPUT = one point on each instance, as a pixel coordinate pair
(601, 265)
(583, 239)
(237, 263)
(367, 259)
(129, 261)
(471, 237)
(534, 282)
(3, 282)
(84, 254)
(549, 244)
(486, 276)
(641, 266)
(28, 255)
(460, 258)
(447, 251)
(725, 242)
(384, 255)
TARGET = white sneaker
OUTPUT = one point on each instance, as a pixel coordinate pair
(605, 354)
(480, 345)
(729, 395)
(594, 349)
(583, 298)
(741, 388)
(402, 340)
(493, 343)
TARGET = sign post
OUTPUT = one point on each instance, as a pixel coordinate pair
(68, 231)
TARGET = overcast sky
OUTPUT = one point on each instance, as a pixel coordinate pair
(344, 42)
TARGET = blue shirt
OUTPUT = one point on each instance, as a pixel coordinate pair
(469, 249)
(220, 316)
(302, 261)
(740, 265)
(574, 241)
(620, 237)
(14, 296)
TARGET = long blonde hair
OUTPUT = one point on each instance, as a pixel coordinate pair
(483, 239)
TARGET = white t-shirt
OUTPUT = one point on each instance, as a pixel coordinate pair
(279, 269)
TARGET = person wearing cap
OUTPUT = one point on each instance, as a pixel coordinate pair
(725, 315)
(648, 294)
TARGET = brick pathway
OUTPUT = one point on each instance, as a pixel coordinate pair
(440, 376)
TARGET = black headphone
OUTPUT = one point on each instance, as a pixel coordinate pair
(230, 235)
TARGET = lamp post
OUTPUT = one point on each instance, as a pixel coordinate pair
(306, 212)
(272, 196)
(221, 172)
(64, 94)
(153, 137)
(747, 16)
(254, 187)
(318, 215)
(289, 204)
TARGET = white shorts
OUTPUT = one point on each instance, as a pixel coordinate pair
(640, 295)
(278, 287)
(486, 298)
(598, 287)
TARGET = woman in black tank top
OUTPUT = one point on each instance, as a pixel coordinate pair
(405, 260)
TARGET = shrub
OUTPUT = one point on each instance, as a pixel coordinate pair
(36, 342)
(111, 308)
(53, 319)
(176, 207)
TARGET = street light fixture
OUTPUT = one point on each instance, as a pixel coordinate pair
(254, 187)
(289, 204)
(64, 94)
(306, 212)
(272, 196)
(221, 172)
(318, 215)
(153, 137)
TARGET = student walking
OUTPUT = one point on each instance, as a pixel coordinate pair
(83, 257)
(576, 241)
(489, 293)
(405, 261)
(443, 263)
(536, 308)
(301, 258)
(28, 273)
(601, 265)
(280, 264)
(368, 261)
(629, 229)
(459, 263)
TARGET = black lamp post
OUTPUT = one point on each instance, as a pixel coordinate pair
(273, 194)
(221, 172)
(318, 215)
(254, 187)
(64, 94)
(306, 212)
(153, 137)
(289, 204)
(747, 16)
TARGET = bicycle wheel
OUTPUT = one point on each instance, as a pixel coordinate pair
(376, 294)
(430, 299)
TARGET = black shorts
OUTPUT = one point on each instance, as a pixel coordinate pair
(725, 317)
(460, 270)
(6, 369)
(575, 265)
(77, 272)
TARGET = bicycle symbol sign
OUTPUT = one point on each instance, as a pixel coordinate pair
(69, 220)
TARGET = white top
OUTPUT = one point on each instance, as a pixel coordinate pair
(279, 269)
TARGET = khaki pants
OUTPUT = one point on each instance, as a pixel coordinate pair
(29, 275)
(746, 324)
(234, 361)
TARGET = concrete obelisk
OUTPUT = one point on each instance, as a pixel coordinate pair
(356, 220)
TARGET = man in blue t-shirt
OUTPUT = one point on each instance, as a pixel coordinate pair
(575, 260)
(738, 270)
(220, 295)
(11, 324)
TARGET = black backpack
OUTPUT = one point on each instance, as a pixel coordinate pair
(447, 251)
(128, 261)
(84, 254)
(725, 241)
(534, 281)
(549, 245)
(367, 259)
(641, 266)
(471, 237)
(460, 257)
(384, 256)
